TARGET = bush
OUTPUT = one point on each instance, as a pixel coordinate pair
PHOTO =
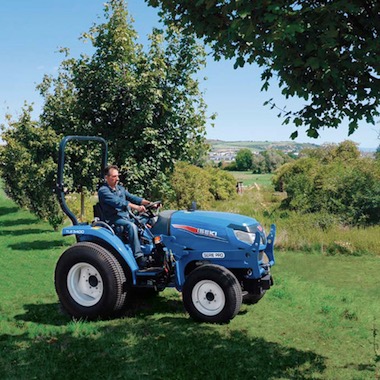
(339, 183)
(223, 184)
(191, 183)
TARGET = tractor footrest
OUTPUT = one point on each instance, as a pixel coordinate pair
(150, 277)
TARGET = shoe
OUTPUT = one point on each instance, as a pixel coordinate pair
(142, 262)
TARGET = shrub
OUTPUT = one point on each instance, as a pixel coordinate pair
(339, 183)
(223, 184)
(191, 183)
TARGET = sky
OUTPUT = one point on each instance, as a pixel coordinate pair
(32, 31)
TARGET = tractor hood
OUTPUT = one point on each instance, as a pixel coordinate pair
(196, 229)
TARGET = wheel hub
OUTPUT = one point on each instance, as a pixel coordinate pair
(93, 281)
(85, 284)
(208, 297)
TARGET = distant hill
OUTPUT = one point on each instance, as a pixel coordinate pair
(258, 146)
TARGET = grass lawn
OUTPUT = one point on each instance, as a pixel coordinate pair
(317, 322)
(249, 179)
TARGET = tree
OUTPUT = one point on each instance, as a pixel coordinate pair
(258, 163)
(273, 159)
(243, 159)
(145, 103)
(28, 167)
(325, 52)
(346, 150)
(223, 184)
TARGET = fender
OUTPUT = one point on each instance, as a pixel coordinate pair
(87, 232)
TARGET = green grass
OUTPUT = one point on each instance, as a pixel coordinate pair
(249, 179)
(317, 322)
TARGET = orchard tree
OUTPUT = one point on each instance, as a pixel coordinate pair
(146, 104)
(323, 51)
(28, 167)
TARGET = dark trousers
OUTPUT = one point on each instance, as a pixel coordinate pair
(133, 235)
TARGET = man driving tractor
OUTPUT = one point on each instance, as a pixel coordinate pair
(115, 201)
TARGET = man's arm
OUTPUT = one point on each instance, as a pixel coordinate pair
(136, 203)
(133, 198)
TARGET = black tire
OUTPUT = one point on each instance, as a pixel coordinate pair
(212, 293)
(251, 299)
(90, 282)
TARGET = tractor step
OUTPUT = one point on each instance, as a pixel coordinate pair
(151, 278)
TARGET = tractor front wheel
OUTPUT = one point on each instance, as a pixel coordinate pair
(212, 293)
(90, 281)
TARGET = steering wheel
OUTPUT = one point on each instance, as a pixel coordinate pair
(153, 205)
(141, 219)
(150, 207)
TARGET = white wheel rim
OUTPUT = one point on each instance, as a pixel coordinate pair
(208, 297)
(85, 284)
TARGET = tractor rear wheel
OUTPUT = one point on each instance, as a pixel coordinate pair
(90, 281)
(212, 293)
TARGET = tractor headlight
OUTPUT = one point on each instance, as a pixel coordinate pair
(246, 237)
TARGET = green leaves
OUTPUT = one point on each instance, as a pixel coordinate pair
(240, 61)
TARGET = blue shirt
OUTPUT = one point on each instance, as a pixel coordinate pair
(115, 203)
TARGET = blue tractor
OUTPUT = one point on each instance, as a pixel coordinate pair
(216, 259)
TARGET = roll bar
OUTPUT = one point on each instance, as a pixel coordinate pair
(59, 187)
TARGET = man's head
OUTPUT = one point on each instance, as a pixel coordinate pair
(111, 173)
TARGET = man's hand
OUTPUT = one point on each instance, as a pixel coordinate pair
(138, 208)
(141, 209)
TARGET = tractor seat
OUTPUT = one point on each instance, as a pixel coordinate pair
(99, 217)
(98, 213)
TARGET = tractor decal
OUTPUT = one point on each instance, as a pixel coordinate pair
(213, 255)
(197, 231)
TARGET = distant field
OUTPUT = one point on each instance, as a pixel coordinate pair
(250, 179)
